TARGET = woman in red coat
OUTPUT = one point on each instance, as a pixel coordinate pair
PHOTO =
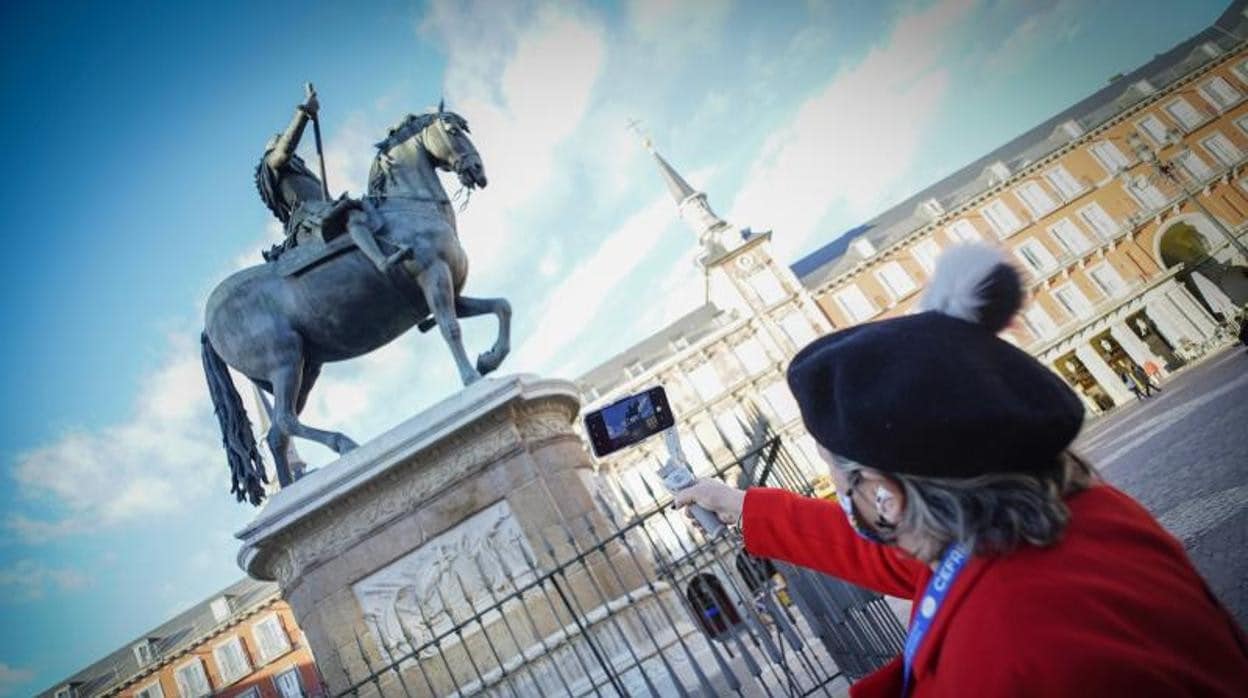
(949, 450)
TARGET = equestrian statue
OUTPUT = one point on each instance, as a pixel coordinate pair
(350, 276)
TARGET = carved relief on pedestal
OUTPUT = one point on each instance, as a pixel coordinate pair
(452, 576)
(346, 522)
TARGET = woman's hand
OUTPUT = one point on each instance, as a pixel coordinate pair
(714, 496)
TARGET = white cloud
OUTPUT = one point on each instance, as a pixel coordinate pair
(576, 302)
(525, 81)
(12, 677)
(165, 455)
(28, 580)
(851, 144)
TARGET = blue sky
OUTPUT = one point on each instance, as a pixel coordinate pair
(132, 129)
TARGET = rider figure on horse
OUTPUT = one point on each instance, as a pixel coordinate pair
(296, 196)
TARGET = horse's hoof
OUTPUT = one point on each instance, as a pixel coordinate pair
(489, 361)
(344, 445)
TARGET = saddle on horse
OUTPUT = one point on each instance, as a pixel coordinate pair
(317, 231)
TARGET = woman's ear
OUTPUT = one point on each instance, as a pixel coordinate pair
(890, 499)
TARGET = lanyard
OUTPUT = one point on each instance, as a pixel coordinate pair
(951, 564)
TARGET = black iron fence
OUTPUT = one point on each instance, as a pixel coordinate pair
(630, 600)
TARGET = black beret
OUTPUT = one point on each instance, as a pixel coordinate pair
(936, 395)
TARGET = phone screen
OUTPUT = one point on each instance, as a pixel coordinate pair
(628, 421)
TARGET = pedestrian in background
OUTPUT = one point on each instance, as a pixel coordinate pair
(1130, 383)
(1154, 373)
(949, 449)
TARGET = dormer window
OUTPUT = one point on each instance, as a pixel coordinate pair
(145, 652)
(1071, 128)
(67, 692)
(932, 208)
(863, 247)
(1144, 87)
(221, 609)
(998, 172)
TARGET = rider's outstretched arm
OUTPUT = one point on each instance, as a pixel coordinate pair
(289, 140)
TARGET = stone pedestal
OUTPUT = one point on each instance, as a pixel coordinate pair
(373, 551)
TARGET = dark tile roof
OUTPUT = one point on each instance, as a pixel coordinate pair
(169, 639)
(830, 261)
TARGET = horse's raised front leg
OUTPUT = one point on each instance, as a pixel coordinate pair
(466, 307)
(287, 382)
(435, 283)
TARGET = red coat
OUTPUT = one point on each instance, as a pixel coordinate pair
(1115, 608)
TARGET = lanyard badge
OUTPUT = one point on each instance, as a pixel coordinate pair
(951, 564)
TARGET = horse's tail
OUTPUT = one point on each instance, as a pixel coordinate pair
(246, 469)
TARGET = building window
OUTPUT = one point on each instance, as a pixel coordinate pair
(1221, 93)
(220, 609)
(708, 436)
(925, 252)
(1099, 221)
(1036, 256)
(963, 231)
(733, 429)
(896, 280)
(192, 680)
(144, 653)
(781, 400)
(1001, 218)
(694, 451)
(231, 660)
(1036, 198)
(706, 382)
(1039, 322)
(753, 357)
(1070, 237)
(151, 690)
(1195, 165)
(855, 305)
(714, 610)
(270, 637)
(1184, 113)
(66, 692)
(1065, 183)
(253, 692)
(1149, 197)
(1107, 279)
(1155, 129)
(1222, 149)
(1073, 300)
(1110, 157)
(768, 286)
(798, 328)
(288, 684)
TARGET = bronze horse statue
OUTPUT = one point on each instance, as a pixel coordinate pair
(279, 329)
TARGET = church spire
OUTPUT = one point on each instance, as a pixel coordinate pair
(714, 233)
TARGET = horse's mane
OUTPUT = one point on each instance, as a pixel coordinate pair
(409, 126)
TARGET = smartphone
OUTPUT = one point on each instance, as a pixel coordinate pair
(627, 421)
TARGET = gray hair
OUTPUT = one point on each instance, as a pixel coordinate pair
(990, 514)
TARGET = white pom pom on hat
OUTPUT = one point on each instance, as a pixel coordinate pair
(977, 283)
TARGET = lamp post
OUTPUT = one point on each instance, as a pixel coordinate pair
(1166, 169)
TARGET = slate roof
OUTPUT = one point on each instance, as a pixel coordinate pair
(1123, 92)
(181, 632)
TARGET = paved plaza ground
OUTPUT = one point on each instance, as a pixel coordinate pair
(1184, 455)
